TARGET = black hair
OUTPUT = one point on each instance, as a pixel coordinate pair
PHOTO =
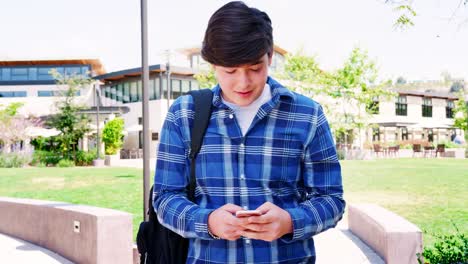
(237, 35)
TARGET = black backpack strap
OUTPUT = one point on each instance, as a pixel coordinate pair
(202, 100)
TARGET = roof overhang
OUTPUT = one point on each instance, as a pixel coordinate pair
(96, 65)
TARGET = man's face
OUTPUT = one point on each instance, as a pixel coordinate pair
(243, 84)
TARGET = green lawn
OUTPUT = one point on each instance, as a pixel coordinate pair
(428, 192)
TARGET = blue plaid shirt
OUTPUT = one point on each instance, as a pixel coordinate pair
(287, 157)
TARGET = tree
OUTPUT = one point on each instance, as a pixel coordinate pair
(406, 13)
(72, 124)
(13, 128)
(206, 78)
(461, 112)
(401, 80)
(348, 95)
(457, 86)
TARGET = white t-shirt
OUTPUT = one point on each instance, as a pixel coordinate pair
(246, 114)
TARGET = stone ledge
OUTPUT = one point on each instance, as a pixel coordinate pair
(394, 238)
(105, 235)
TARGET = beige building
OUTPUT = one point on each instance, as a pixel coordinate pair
(412, 115)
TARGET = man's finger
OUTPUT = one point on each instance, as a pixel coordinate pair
(263, 219)
(232, 208)
(256, 227)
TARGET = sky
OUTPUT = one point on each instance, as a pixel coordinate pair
(109, 30)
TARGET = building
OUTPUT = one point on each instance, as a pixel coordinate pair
(413, 115)
(30, 83)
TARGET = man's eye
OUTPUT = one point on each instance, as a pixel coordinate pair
(255, 69)
(230, 72)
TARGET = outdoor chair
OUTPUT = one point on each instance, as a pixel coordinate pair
(440, 149)
(393, 150)
(416, 149)
(429, 151)
(124, 154)
(378, 149)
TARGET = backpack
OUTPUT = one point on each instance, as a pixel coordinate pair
(156, 243)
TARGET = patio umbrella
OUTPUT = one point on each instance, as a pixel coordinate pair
(41, 132)
(134, 128)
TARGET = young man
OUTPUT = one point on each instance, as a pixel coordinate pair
(266, 148)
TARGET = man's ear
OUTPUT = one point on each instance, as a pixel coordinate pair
(270, 58)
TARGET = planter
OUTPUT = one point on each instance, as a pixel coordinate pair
(111, 160)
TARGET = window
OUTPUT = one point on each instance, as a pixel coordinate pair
(427, 107)
(194, 85)
(126, 93)
(430, 135)
(13, 94)
(50, 93)
(164, 88)
(404, 133)
(175, 86)
(449, 109)
(133, 92)
(140, 91)
(157, 89)
(140, 120)
(119, 92)
(373, 107)
(19, 74)
(185, 86)
(401, 107)
(39, 72)
(375, 134)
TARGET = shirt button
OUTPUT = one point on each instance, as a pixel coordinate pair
(245, 207)
(242, 145)
(247, 240)
(231, 116)
(242, 177)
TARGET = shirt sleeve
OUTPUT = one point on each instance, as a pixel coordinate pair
(324, 205)
(170, 201)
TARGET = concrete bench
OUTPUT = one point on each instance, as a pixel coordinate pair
(79, 233)
(394, 238)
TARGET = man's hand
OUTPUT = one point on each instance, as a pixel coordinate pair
(223, 223)
(273, 224)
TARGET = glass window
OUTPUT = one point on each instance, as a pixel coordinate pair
(119, 92)
(140, 91)
(73, 70)
(430, 135)
(151, 91)
(427, 107)
(157, 88)
(175, 89)
(164, 88)
(404, 133)
(373, 107)
(45, 93)
(13, 93)
(113, 92)
(6, 74)
(32, 74)
(126, 93)
(375, 134)
(19, 74)
(185, 86)
(401, 107)
(449, 109)
(107, 92)
(133, 92)
(194, 85)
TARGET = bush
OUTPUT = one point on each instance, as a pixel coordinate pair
(448, 249)
(45, 157)
(13, 160)
(85, 158)
(112, 135)
(64, 163)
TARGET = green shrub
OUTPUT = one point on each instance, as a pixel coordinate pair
(84, 158)
(341, 154)
(64, 163)
(448, 249)
(46, 157)
(13, 160)
(112, 135)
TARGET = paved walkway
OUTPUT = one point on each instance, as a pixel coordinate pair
(13, 250)
(337, 245)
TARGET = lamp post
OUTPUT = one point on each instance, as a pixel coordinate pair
(98, 162)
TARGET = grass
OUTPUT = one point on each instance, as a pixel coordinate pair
(427, 192)
(430, 193)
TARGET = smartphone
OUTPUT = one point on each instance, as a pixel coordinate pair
(246, 213)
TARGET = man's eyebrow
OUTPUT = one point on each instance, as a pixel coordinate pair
(255, 63)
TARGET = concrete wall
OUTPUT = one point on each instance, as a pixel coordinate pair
(103, 235)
